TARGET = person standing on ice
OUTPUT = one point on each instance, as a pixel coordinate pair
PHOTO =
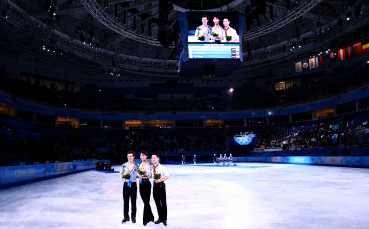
(145, 187)
(160, 174)
(128, 172)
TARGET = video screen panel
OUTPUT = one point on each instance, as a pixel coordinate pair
(213, 35)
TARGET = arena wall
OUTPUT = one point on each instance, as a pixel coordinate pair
(11, 175)
(347, 161)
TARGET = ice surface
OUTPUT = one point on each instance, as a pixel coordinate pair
(250, 195)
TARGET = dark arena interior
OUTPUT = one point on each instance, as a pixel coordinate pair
(258, 107)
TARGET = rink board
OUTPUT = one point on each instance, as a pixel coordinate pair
(349, 161)
(23, 173)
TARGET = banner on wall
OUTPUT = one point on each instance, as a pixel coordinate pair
(319, 61)
(357, 50)
(309, 64)
(312, 63)
(334, 56)
(305, 65)
(298, 66)
(341, 54)
(365, 48)
(348, 52)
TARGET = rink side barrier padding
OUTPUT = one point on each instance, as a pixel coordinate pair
(12, 175)
(348, 161)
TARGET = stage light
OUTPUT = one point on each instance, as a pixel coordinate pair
(231, 90)
(4, 13)
(348, 15)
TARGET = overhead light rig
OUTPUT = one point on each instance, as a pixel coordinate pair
(19, 18)
(97, 11)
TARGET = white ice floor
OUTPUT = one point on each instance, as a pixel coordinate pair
(253, 195)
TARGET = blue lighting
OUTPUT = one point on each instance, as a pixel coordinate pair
(244, 139)
(300, 160)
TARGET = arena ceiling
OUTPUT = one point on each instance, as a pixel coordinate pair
(137, 36)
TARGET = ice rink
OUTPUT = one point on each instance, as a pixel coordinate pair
(251, 195)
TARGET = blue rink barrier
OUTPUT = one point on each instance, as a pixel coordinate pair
(351, 151)
(11, 175)
(349, 161)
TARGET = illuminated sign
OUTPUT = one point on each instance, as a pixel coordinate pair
(300, 160)
(244, 139)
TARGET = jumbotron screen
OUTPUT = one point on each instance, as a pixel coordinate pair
(214, 35)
